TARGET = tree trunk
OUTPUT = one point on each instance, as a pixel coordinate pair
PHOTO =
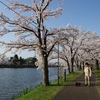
(96, 64)
(83, 65)
(72, 65)
(68, 66)
(45, 79)
(80, 66)
(68, 69)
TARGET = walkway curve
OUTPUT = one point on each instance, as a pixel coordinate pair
(72, 92)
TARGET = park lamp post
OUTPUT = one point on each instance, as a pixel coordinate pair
(58, 62)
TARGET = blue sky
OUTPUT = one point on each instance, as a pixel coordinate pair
(84, 13)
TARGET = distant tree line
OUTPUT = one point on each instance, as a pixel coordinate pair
(19, 61)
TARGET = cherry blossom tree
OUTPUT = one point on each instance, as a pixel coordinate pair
(78, 46)
(75, 40)
(90, 48)
(28, 25)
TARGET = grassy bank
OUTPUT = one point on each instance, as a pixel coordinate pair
(45, 93)
(97, 72)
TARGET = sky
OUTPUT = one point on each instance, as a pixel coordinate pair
(84, 13)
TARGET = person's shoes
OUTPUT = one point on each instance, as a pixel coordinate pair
(85, 84)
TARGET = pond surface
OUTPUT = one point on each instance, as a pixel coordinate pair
(14, 80)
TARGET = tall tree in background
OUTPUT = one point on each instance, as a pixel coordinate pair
(90, 49)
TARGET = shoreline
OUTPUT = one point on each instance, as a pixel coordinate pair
(22, 66)
(17, 66)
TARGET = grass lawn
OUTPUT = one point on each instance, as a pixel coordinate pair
(45, 93)
(97, 72)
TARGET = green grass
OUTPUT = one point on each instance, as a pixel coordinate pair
(45, 93)
(97, 72)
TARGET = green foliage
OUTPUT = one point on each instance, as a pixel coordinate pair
(97, 72)
(31, 60)
(21, 61)
(15, 60)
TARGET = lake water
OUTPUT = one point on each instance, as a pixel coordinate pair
(14, 80)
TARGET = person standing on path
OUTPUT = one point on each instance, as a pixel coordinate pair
(88, 73)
